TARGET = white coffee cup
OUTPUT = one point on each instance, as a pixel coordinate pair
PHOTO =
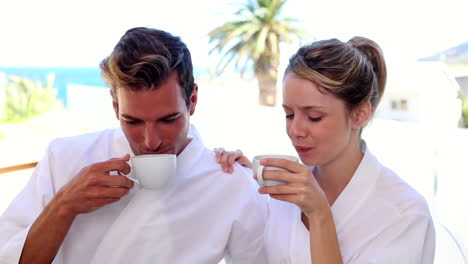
(258, 169)
(153, 171)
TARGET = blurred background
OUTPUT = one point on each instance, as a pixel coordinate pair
(50, 84)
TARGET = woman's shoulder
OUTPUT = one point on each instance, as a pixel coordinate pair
(394, 193)
(395, 216)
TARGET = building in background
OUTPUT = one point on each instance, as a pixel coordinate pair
(457, 60)
(421, 92)
(462, 78)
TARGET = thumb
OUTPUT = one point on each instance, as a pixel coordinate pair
(125, 157)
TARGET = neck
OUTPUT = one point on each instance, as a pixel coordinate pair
(335, 175)
(187, 141)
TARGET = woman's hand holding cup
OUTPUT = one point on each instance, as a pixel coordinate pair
(300, 188)
(258, 169)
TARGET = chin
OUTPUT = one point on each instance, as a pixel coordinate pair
(310, 164)
(308, 160)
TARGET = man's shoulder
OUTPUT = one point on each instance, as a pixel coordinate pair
(242, 171)
(86, 139)
(209, 157)
(208, 167)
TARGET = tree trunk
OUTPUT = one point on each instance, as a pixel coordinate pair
(267, 89)
(266, 71)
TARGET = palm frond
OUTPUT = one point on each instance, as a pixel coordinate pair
(254, 35)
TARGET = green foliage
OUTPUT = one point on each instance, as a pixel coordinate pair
(465, 109)
(254, 36)
(253, 39)
(26, 98)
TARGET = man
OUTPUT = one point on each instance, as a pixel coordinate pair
(73, 211)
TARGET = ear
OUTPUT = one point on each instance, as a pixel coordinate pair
(361, 115)
(115, 104)
(193, 99)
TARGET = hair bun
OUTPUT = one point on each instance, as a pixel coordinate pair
(371, 50)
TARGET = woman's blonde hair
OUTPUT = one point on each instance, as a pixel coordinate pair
(354, 71)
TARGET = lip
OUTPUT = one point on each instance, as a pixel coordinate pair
(155, 153)
(302, 149)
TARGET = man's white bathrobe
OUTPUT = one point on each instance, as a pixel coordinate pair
(202, 216)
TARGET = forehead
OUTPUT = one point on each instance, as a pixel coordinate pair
(299, 92)
(165, 98)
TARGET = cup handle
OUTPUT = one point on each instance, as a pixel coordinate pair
(129, 175)
(260, 175)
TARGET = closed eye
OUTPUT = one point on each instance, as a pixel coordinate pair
(315, 119)
(171, 119)
(132, 122)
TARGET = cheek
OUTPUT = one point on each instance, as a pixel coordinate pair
(132, 133)
(288, 127)
(328, 132)
(176, 131)
(335, 134)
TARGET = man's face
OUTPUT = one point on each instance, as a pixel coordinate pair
(156, 121)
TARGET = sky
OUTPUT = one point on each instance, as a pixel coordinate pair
(82, 33)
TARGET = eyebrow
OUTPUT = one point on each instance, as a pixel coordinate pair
(307, 107)
(138, 119)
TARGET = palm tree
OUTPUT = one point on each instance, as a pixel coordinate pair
(253, 40)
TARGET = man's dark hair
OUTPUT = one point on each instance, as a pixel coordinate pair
(144, 58)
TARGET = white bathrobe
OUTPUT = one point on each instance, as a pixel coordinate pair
(379, 219)
(202, 215)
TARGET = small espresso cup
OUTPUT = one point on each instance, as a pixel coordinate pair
(258, 169)
(153, 171)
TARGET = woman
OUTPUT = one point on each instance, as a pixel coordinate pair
(350, 208)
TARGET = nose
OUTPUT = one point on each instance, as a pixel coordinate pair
(152, 138)
(297, 128)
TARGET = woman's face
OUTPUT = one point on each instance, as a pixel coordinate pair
(316, 121)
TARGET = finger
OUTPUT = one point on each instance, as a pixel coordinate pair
(240, 158)
(232, 157)
(238, 152)
(126, 169)
(285, 176)
(125, 157)
(244, 161)
(118, 164)
(281, 189)
(218, 153)
(221, 150)
(115, 181)
(291, 166)
(224, 161)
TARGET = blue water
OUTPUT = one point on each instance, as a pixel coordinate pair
(90, 76)
(63, 76)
